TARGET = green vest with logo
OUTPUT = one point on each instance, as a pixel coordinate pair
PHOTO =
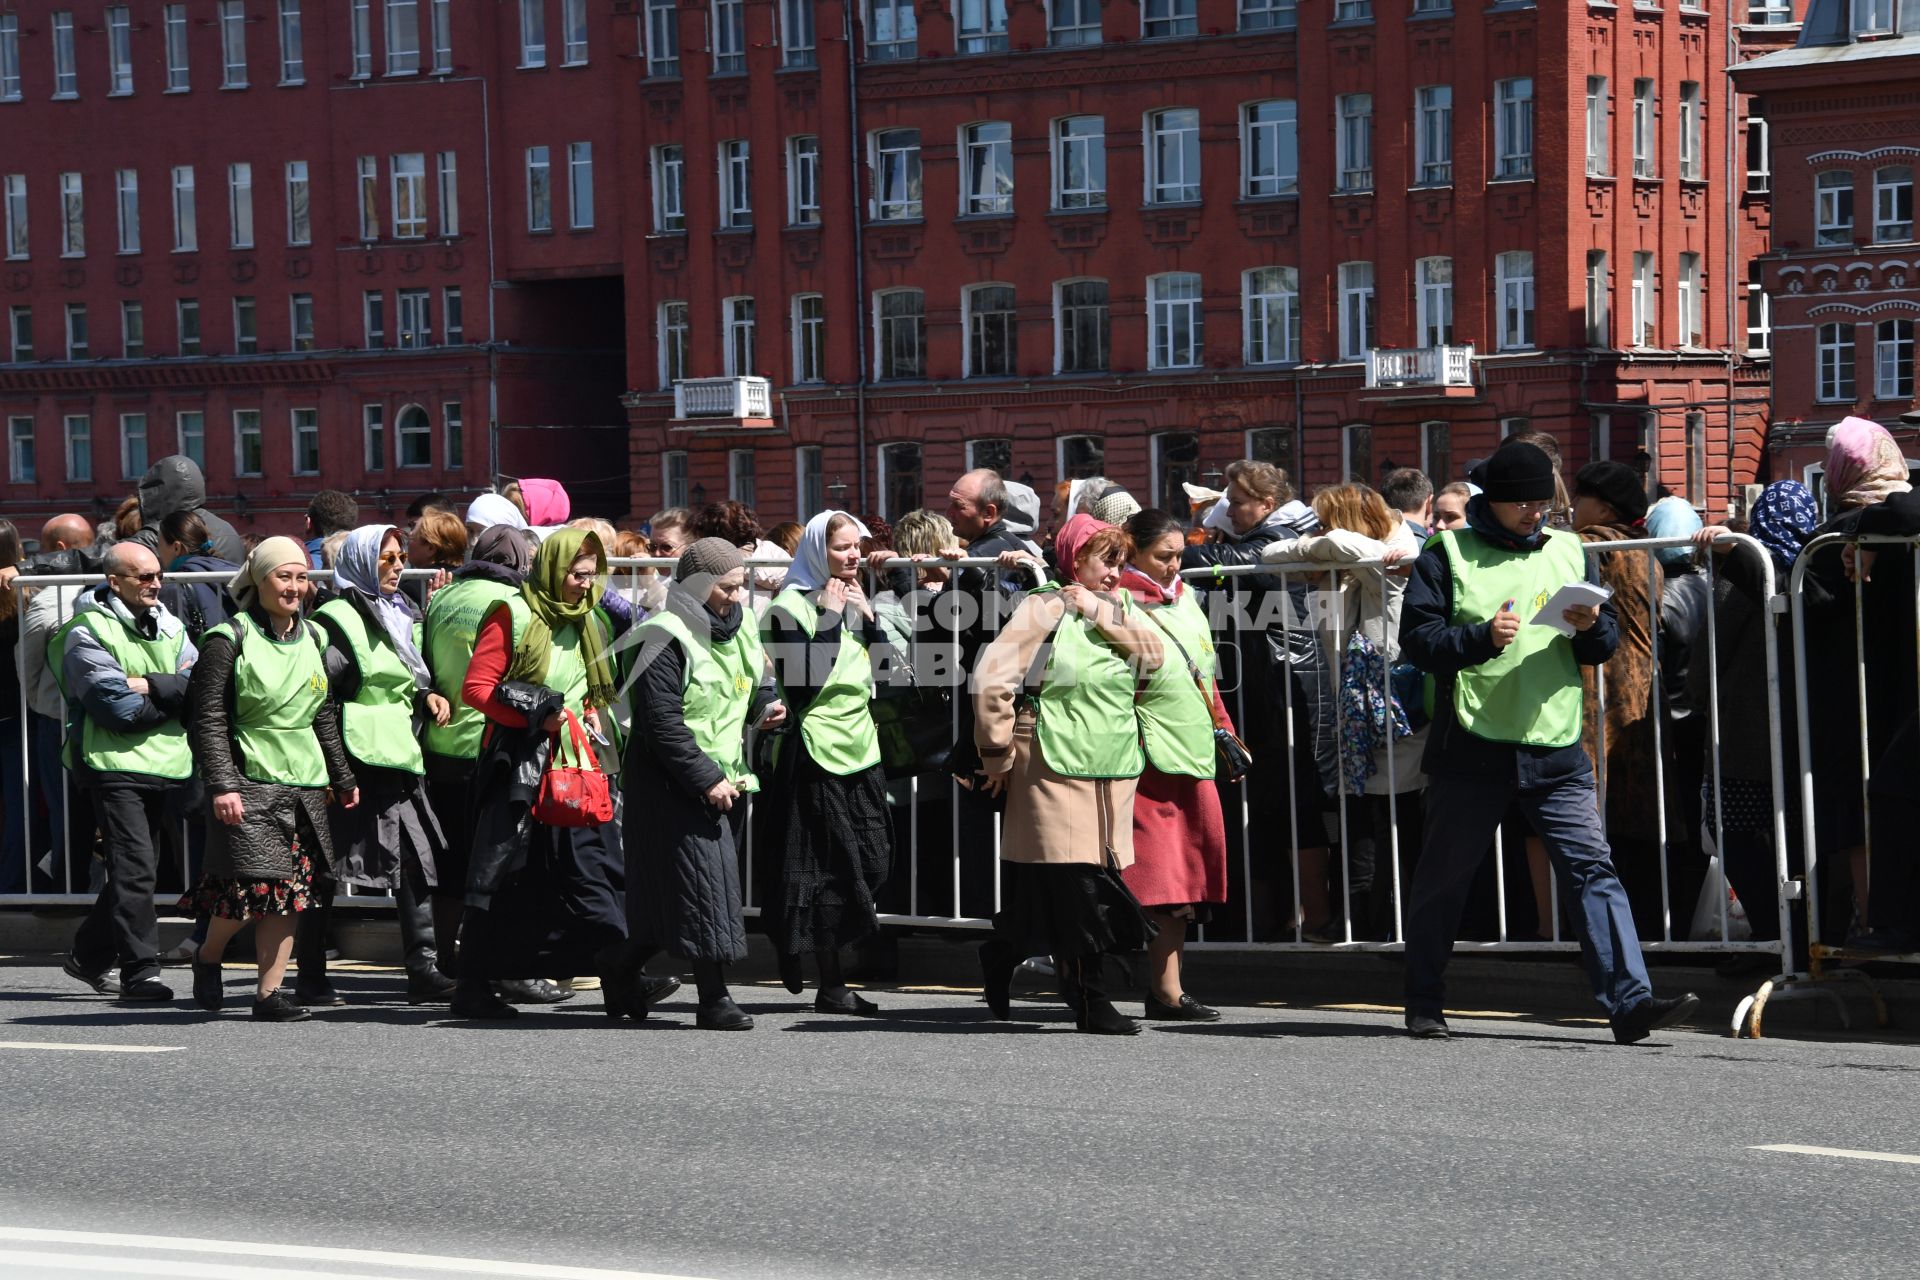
(1176, 718)
(159, 751)
(717, 685)
(837, 727)
(377, 722)
(453, 620)
(1085, 723)
(279, 686)
(1529, 693)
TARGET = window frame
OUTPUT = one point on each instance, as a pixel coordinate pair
(669, 181)
(232, 20)
(884, 368)
(1066, 320)
(1357, 309)
(1514, 290)
(1835, 363)
(809, 334)
(1889, 182)
(1280, 136)
(186, 228)
(1168, 313)
(986, 169)
(736, 184)
(1163, 188)
(1433, 303)
(296, 442)
(300, 206)
(240, 228)
(1893, 351)
(803, 180)
(1353, 116)
(539, 189)
(910, 204)
(1256, 317)
(580, 186)
(1093, 149)
(241, 433)
(1833, 208)
(131, 467)
(1433, 133)
(739, 336)
(976, 325)
(1513, 128)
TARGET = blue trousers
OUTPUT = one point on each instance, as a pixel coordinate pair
(1556, 793)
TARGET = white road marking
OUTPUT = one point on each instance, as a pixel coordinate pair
(59, 1047)
(1795, 1148)
(292, 1252)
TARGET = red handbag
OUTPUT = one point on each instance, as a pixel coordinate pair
(571, 796)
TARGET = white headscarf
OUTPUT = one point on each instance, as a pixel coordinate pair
(809, 571)
(490, 509)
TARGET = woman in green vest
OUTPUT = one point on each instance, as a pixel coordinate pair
(266, 739)
(392, 841)
(699, 679)
(1054, 721)
(835, 842)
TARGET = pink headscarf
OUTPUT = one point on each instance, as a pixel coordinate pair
(1073, 535)
(1864, 465)
(547, 503)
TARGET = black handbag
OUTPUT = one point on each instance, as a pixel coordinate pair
(914, 724)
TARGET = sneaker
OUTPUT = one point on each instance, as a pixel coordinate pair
(1634, 1025)
(145, 991)
(105, 983)
(1422, 1027)
(277, 1008)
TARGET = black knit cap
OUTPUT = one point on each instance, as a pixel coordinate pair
(1517, 472)
(1616, 484)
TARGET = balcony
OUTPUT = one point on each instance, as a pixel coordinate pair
(1419, 373)
(718, 403)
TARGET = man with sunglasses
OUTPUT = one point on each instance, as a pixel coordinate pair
(122, 663)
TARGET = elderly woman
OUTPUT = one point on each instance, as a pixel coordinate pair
(700, 679)
(1063, 745)
(392, 841)
(267, 743)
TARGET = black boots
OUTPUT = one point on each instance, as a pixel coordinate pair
(996, 976)
(425, 982)
(311, 985)
(476, 998)
(1095, 1013)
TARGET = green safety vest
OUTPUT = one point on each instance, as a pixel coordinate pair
(161, 750)
(377, 722)
(567, 676)
(453, 620)
(1176, 718)
(837, 727)
(1529, 693)
(717, 685)
(279, 686)
(1086, 724)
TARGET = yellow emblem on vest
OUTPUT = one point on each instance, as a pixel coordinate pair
(1540, 602)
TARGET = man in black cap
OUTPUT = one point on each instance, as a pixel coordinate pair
(1508, 708)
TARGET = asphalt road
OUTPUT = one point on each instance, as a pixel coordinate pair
(933, 1143)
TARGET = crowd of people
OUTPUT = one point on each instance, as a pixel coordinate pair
(547, 765)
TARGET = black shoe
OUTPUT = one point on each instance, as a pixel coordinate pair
(851, 1002)
(105, 984)
(1185, 1009)
(532, 991)
(1636, 1024)
(996, 976)
(317, 995)
(1422, 1027)
(790, 974)
(723, 1015)
(1098, 1017)
(145, 991)
(480, 1000)
(277, 1008)
(648, 990)
(429, 986)
(208, 990)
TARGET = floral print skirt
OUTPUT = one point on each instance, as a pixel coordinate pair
(252, 899)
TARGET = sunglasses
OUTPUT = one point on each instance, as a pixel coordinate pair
(144, 579)
(663, 549)
(583, 576)
(392, 557)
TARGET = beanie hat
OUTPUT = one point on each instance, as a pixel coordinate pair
(1115, 507)
(1517, 472)
(1616, 484)
(711, 557)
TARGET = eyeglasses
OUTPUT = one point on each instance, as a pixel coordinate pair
(1532, 508)
(393, 557)
(582, 576)
(663, 549)
(144, 579)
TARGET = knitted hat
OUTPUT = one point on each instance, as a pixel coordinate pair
(1517, 472)
(1616, 484)
(711, 557)
(1115, 507)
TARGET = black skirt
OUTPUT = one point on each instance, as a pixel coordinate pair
(449, 795)
(834, 851)
(556, 914)
(1068, 910)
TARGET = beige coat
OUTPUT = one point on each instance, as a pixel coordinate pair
(1051, 818)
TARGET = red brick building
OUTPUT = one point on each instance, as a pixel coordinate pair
(1844, 110)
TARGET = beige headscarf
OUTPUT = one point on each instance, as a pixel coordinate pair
(244, 586)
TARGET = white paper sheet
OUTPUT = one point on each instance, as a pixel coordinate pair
(1574, 593)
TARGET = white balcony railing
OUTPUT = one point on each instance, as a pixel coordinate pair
(1420, 367)
(723, 398)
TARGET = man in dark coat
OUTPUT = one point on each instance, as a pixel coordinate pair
(175, 484)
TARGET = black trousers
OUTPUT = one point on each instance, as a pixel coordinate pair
(122, 927)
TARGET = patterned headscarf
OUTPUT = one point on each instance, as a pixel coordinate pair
(1864, 466)
(1782, 519)
(545, 594)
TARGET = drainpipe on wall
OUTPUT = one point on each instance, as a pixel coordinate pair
(493, 333)
(1734, 344)
(859, 251)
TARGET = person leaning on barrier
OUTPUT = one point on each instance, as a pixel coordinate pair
(65, 549)
(14, 745)
(977, 508)
(1507, 716)
(266, 739)
(123, 662)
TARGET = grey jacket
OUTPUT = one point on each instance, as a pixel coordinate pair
(48, 608)
(97, 687)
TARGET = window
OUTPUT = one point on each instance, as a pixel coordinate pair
(1080, 163)
(20, 468)
(675, 331)
(373, 312)
(306, 442)
(1769, 12)
(447, 175)
(452, 318)
(1598, 146)
(1352, 10)
(1873, 17)
(892, 31)
(533, 33)
(1269, 148)
(1272, 316)
(415, 316)
(736, 185)
(901, 318)
(247, 459)
(1080, 457)
(797, 36)
(299, 204)
(1356, 141)
(980, 26)
(1514, 273)
(803, 181)
(1833, 207)
(1893, 360)
(810, 481)
(1695, 439)
(737, 339)
(186, 322)
(986, 152)
(663, 38)
(15, 189)
(1176, 321)
(174, 20)
(1356, 309)
(669, 207)
(233, 44)
(73, 216)
(673, 477)
(579, 185)
(573, 33)
(133, 446)
(1833, 362)
(1176, 462)
(1074, 22)
(300, 321)
(1513, 128)
(1163, 18)
(1644, 307)
(539, 189)
(455, 436)
(1759, 312)
(190, 427)
(1759, 163)
(992, 344)
(1599, 331)
(1689, 305)
(1692, 115)
(78, 346)
(1433, 134)
(293, 64)
(10, 57)
(1645, 140)
(361, 24)
(403, 37)
(1356, 453)
(896, 175)
(1892, 203)
(991, 455)
(368, 168)
(741, 483)
(1433, 301)
(1268, 15)
(186, 237)
(442, 23)
(1173, 156)
(20, 333)
(373, 432)
(133, 331)
(1083, 328)
(1436, 452)
(809, 338)
(119, 50)
(79, 434)
(413, 437)
(246, 332)
(900, 486)
(240, 205)
(66, 77)
(729, 36)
